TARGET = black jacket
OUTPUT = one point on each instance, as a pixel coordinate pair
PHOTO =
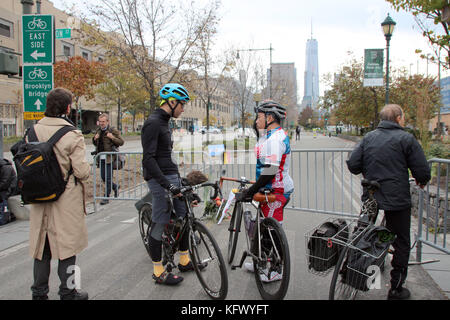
(8, 179)
(157, 147)
(385, 155)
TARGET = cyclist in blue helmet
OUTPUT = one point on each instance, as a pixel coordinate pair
(173, 94)
(162, 176)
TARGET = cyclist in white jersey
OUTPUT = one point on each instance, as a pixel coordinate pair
(273, 156)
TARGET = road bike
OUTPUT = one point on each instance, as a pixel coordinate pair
(357, 249)
(267, 244)
(204, 252)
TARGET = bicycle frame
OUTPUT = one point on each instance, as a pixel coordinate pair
(188, 220)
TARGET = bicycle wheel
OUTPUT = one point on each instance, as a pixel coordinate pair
(208, 262)
(339, 290)
(272, 270)
(234, 229)
(145, 222)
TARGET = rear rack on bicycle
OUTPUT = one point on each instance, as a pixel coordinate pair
(325, 242)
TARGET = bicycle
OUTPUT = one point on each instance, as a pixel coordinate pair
(266, 244)
(346, 250)
(204, 252)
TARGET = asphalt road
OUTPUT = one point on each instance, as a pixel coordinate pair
(116, 266)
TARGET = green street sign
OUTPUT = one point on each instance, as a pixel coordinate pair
(63, 33)
(37, 83)
(373, 67)
(37, 38)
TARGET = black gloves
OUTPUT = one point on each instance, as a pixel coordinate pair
(174, 190)
(244, 196)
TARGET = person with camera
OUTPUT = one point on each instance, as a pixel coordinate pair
(107, 139)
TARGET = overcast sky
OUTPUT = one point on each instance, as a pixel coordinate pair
(338, 25)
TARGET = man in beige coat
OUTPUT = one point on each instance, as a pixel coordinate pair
(58, 229)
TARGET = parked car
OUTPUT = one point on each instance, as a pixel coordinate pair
(211, 129)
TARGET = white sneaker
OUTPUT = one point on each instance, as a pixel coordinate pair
(274, 276)
(249, 266)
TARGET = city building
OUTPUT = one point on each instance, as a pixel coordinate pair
(284, 89)
(11, 105)
(311, 76)
(445, 108)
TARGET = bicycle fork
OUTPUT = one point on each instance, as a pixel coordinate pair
(247, 253)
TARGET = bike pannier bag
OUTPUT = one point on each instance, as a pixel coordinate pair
(369, 251)
(322, 253)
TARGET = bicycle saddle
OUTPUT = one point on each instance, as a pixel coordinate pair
(371, 185)
(264, 197)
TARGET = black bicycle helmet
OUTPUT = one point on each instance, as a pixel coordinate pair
(269, 106)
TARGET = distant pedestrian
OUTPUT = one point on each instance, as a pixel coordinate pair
(297, 133)
(58, 229)
(386, 155)
(107, 139)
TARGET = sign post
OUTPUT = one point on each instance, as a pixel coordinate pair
(37, 83)
(38, 58)
(373, 67)
(37, 38)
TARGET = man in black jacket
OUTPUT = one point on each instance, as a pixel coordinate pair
(385, 155)
(8, 185)
(162, 176)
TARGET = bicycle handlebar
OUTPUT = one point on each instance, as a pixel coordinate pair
(243, 181)
(215, 185)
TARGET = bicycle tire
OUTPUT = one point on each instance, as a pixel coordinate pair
(337, 289)
(275, 290)
(206, 253)
(234, 229)
(145, 221)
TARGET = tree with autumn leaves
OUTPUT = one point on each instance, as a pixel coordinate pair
(80, 76)
(349, 102)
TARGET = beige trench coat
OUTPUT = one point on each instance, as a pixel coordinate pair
(63, 220)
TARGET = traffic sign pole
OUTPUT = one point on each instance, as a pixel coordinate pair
(38, 57)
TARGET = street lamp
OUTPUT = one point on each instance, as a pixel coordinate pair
(270, 70)
(388, 26)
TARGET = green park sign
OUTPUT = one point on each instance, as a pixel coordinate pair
(37, 36)
(37, 83)
(373, 67)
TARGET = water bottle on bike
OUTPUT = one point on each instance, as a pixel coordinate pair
(249, 222)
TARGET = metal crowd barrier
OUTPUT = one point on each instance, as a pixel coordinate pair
(130, 176)
(322, 184)
(433, 210)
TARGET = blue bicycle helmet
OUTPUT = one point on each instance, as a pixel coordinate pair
(174, 90)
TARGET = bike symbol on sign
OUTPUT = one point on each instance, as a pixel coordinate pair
(37, 23)
(37, 73)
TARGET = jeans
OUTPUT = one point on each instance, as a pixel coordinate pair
(106, 173)
(41, 273)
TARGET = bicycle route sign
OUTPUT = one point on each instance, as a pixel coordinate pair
(37, 83)
(37, 38)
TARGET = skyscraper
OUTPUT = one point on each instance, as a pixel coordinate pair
(311, 79)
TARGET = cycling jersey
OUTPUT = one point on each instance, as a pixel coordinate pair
(274, 149)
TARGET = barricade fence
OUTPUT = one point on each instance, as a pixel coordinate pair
(432, 209)
(322, 184)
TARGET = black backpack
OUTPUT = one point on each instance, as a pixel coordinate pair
(39, 176)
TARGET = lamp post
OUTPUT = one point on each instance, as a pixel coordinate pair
(270, 69)
(387, 26)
